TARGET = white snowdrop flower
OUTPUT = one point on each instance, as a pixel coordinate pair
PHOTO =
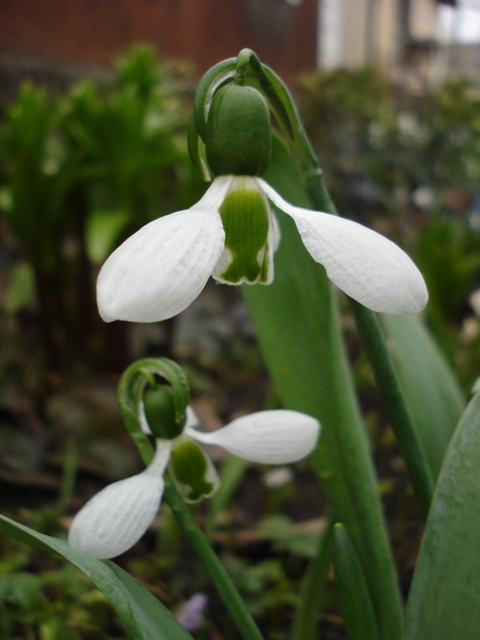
(231, 234)
(118, 516)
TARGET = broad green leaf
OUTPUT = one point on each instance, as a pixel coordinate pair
(298, 328)
(143, 616)
(432, 393)
(444, 599)
(352, 592)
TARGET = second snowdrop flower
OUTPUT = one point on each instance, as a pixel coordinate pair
(117, 517)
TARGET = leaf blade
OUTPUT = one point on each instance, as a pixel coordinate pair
(432, 393)
(143, 616)
(444, 599)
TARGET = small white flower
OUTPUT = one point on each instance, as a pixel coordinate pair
(231, 234)
(118, 516)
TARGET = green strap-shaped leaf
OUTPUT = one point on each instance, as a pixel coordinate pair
(444, 599)
(352, 591)
(143, 616)
(299, 332)
(432, 393)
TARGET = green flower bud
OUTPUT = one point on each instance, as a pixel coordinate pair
(239, 137)
(159, 410)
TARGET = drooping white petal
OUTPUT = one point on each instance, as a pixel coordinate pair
(118, 516)
(161, 269)
(276, 234)
(191, 418)
(362, 263)
(142, 419)
(271, 437)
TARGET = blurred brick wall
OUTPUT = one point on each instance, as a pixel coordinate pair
(204, 31)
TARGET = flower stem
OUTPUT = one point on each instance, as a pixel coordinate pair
(385, 377)
(220, 578)
(400, 419)
(381, 362)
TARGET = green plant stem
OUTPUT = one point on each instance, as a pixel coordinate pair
(220, 578)
(400, 419)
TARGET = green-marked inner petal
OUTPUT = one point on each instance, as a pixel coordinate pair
(192, 471)
(245, 214)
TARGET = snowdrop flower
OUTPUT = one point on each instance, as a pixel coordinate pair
(117, 517)
(231, 234)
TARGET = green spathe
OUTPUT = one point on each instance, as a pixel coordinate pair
(245, 214)
(190, 470)
(238, 138)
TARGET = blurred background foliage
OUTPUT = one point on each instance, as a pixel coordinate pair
(408, 165)
(79, 172)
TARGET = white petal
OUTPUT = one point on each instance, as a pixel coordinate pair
(271, 437)
(142, 419)
(276, 234)
(191, 418)
(117, 517)
(162, 268)
(362, 263)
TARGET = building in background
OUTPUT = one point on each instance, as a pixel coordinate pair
(414, 42)
(41, 34)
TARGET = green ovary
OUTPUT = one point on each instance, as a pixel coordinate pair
(245, 219)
